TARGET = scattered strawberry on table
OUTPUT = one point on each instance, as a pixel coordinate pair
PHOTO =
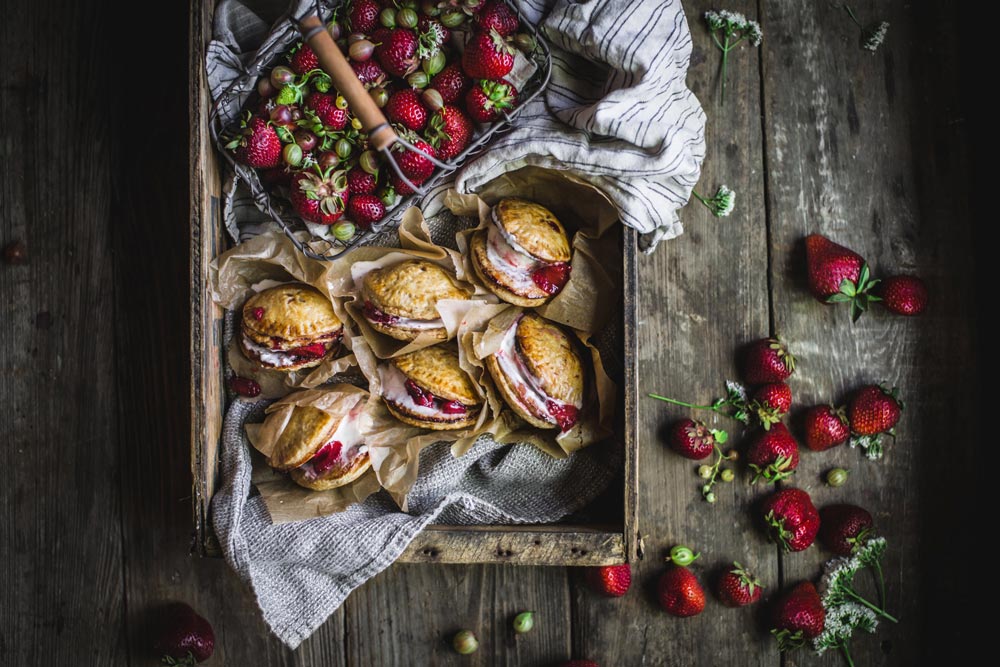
(678, 590)
(798, 616)
(738, 587)
(844, 528)
(872, 411)
(303, 137)
(773, 455)
(768, 360)
(826, 427)
(791, 519)
(612, 581)
(183, 636)
(904, 295)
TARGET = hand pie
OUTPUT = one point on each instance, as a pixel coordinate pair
(290, 327)
(523, 256)
(428, 389)
(539, 373)
(400, 300)
(319, 451)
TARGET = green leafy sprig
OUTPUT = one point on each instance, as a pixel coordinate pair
(728, 30)
(872, 37)
(722, 204)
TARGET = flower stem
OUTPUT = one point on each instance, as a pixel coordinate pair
(713, 408)
(847, 654)
(874, 608)
(853, 17)
(725, 60)
(877, 567)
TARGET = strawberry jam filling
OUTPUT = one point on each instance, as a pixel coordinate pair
(406, 395)
(552, 277)
(426, 399)
(566, 415)
(372, 313)
(326, 458)
(375, 315)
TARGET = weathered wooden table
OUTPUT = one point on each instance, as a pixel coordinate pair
(816, 135)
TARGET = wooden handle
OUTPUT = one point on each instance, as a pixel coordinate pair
(332, 61)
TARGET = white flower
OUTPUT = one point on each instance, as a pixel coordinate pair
(753, 33)
(308, 161)
(726, 201)
(735, 20)
(736, 389)
(840, 623)
(877, 36)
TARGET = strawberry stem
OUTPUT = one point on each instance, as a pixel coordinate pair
(875, 608)
(713, 408)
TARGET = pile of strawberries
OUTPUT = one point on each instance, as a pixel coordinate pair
(302, 135)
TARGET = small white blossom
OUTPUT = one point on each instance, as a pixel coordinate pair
(877, 36)
(840, 624)
(726, 199)
(735, 20)
(736, 389)
(308, 161)
(754, 33)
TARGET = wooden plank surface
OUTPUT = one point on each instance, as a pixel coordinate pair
(95, 524)
(61, 597)
(701, 296)
(848, 158)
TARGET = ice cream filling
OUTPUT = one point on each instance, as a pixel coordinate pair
(282, 358)
(529, 389)
(524, 272)
(413, 399)
(342, 451)
(377, 316)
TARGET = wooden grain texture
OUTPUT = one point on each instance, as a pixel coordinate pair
(701, 296)
(408, 614)
(517, 545)
(60, 533)
(865, 149)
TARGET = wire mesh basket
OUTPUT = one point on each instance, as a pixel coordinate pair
(241, 94)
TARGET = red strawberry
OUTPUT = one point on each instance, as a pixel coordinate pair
(826, 427)
(773, 454)
(692, 439)
(679, 592)
(453, 408)
(420, 396)
(791, 519)
(772, 401)
(450, 131)
(405, 108)
(415, 166)
(498, 16)
(399, 186)
(488, 56)
(844, 528)
(768, 360)
(737, 587)
(838, 274)
(362, 16)
(488, 99)
(326, 109)
(304, 60)
(873, 409)
(397, 51)
(565, 414)
(904, 295)
(798, 616)
(259, 145)
(612, 581)
(369, 72)
(182, 632)
(244, 386)
(320, 197)
(360, 182)
(451, 82)
(365, 210)
(327, 457)
(551, 278)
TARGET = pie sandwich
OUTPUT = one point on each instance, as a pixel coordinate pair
(290, 327)
(428, 389)
(401, 300)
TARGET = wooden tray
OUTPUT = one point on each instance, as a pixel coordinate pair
(552, 544)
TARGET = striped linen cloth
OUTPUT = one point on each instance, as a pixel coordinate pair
(617, 114)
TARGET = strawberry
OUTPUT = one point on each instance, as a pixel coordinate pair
(551, 278)
(320, 196)
(313, 351)
(798, 616)
(844, 528)
(304, 59)
(904, 295)
(399, 186)
(771, 402)
(873, 409)
(497, 15)
(791, 519)
(449, 131)
(773, 454)
(451, 82)
(244, 386)
(692, 439)
(325, 107)
(397, 52)
(737, 587)
(369, 72)
(405, 108)
(362, 15)
(768, 360)
(612, 581)
(258, 145)
(488, 56)
(679, 592)
(415, 166)
(360, 182)
(838, 275)
(184, 637)
(365, 210)
(826, 427)
(488, 99)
